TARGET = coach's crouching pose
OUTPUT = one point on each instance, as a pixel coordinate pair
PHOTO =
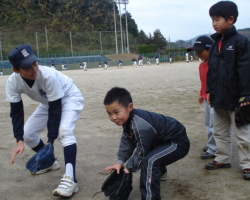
(60, 105)
(159, 141)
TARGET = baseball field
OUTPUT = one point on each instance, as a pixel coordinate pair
(171, 90)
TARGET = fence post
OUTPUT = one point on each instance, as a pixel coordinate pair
(71, 44)
(37, 48)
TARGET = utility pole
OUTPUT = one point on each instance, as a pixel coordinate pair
(127, 26)
(169, 42)
(116, 47)
(121, 25)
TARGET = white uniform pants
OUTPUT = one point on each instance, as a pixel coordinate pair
(157, 61)
(140, 63)
(84, 66)
(105, 66)
(134, 63)
(37, 122)
(223, 120)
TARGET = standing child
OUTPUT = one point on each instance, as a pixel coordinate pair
(105, 64)
(148, 61)
(187, 58)
(157, 58)
(149, 141)
(134, 62)
(191, 58)
(61, 103)
(120, 64)
(228, 86)
(170, 59)
(201, 47)
(140, 60)
(85, 65)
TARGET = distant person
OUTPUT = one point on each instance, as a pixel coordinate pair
(105, 64)
(187, 59)
(140, 60)
(157, 58)
(134, 62)
(201, 47)
(191, 58)
(1, 72)
(52, 64)
(100, 64)
(120, 64)
(148, 61)
(81, 67)
(170, 59)
(85, 65)
(64, 67)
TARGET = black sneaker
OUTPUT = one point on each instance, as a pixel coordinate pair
(217, 165)
(246, 174)
(207, 155)
(205, 149)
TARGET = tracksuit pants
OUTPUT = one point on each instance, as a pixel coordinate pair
(154, 165)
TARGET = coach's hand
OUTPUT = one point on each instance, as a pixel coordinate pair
(19, 149)
(116, 167)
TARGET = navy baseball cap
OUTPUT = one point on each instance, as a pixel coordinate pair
(22, 56)
(201, 43)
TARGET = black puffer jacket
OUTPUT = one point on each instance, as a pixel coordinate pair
(228, 76)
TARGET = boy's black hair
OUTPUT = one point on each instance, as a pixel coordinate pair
(224, 9)
(118, 94)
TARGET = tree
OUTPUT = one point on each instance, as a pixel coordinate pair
(132, 26)
(142, 38)
(159, 40)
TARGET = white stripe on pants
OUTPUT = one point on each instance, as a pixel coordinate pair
(223, 120)
(71, 109)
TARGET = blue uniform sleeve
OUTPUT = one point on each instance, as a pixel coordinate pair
(17, 115)
(54, 119)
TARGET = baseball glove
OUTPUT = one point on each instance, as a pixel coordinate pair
(43, 159)
(118, 186)
(242, 113)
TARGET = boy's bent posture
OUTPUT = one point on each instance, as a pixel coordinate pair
(158, 140)
(228, 80)
(60, 105)
(201, 47)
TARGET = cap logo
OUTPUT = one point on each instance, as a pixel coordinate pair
(197, 42)
(25, 53)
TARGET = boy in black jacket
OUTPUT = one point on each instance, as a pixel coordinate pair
(159, 141)
(228, 80)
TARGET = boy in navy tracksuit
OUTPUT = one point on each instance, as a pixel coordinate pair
(159, 141)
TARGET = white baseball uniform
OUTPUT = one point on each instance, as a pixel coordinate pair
(84, 65)
(49, 85)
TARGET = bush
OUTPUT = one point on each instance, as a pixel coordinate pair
(150, 48)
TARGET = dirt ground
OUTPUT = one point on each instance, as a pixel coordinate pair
(167, 89)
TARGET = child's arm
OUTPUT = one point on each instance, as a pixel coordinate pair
(126, 149)
(145, 138)
(243, 67)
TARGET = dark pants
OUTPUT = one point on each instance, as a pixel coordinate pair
(154, 165)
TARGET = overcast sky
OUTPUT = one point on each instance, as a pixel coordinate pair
(181, 19)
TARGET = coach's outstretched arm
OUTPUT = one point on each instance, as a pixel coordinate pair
(17, 115)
